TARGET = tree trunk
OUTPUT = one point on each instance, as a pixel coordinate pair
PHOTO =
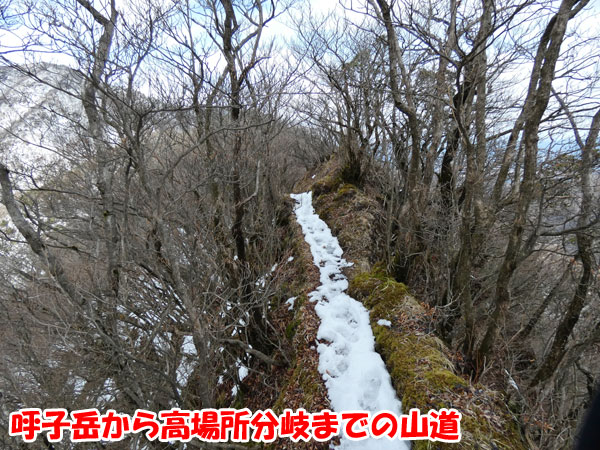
(586, 253)
(535, 105)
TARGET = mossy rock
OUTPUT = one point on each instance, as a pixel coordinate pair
(354, 218)
(422, 370)
(364, 283)
(346, 190)
(326, 185)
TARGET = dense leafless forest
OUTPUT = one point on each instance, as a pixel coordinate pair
(147, 153)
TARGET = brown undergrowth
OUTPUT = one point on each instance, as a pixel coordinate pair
(302, 384)
(298, 384)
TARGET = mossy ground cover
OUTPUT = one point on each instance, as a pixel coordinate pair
(355, 219)
(422, 370)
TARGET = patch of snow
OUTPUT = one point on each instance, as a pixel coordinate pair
(242, 370)
(78, 385)
(512, 381)
(242, 373)
(260, 282)
(354, 373)
(290, 301)
(290, 259)
(188, 346)
(186, 367)
(384, 323)
(108, 392)
(313, 177)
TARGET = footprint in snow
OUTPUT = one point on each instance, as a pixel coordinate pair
(371, 383)
(342, 366)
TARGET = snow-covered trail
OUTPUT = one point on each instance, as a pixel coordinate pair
(355, 375)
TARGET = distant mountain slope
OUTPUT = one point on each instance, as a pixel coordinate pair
(39, 112)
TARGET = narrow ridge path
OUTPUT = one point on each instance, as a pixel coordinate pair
(355, 375)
